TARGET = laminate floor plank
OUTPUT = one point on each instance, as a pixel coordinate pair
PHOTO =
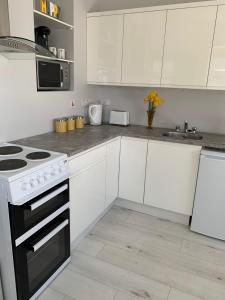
(118, 278)
(207, 253)
(180, 261)
(80, 287)
(177, 295)
(181, 280)
(90, 247)
(50, 294)
(132, 256)
(150, 223)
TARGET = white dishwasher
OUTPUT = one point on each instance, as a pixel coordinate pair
(209, 206)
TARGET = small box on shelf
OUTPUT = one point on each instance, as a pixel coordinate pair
(50, 8)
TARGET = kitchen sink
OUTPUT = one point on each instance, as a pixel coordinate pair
(183, 135)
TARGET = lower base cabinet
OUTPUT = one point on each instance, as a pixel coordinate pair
(94, 184)
(87, 194)
(171, 176)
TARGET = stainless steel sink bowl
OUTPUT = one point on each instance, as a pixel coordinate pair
(182, 135)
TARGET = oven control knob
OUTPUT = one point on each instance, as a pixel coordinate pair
(41, 179)
(47, 176)
(33, 182)
(25, 186)
(54, 171)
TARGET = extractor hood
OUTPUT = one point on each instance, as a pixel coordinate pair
(16, 47)
(13, 45)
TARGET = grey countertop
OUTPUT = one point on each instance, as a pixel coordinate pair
(72, 143)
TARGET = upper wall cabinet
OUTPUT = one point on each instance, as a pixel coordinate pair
(143, 47)
(217, 67)
(188, 43)
(104, 48)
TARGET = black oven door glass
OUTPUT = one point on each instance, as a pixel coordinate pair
(49, 74)
(26, 216)
(38, 258)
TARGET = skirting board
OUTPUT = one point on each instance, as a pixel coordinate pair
(156, 212)
(83, 234)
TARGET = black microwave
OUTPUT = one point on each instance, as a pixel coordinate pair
(52, 75)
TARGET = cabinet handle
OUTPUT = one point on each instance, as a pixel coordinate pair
(50, 235)
(45, 199)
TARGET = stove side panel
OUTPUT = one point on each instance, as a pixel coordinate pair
(6, 254)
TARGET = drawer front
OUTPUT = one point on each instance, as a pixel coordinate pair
(86, 160)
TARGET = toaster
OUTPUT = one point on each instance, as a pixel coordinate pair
(119, 118)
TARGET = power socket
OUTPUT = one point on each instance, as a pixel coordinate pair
(106, 102)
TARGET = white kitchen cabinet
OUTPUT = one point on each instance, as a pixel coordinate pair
(104, 48)
(143, 47)
(171, 176)
(132, 169)
(112, 171)
(188, 44)
(217, 66)
(87, 190)
(21, 18)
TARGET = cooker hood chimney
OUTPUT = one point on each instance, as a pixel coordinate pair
(11, 46)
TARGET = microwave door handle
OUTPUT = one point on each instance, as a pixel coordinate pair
(61, 76)
(47, 198)
(48, 237)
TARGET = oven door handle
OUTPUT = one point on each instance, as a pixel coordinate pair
(45, 199)
(48, 237)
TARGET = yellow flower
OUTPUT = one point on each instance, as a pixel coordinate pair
(146, 99)
(153, 95)
(152, 99)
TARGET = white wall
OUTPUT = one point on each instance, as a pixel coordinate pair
(204, 109)
(24, 111)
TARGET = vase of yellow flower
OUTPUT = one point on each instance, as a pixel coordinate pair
(153, 101)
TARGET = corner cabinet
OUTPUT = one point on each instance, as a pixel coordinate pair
(188, 44)
(171, 176)
(112, 171)
(132, 169)
(104, 48)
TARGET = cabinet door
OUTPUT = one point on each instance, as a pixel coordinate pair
(143, 47)
(104, 48)
(87, 197)
(217, 67)
(132, 169)
(171, 176)
(21, 18)
(188, 44)
(112, 171)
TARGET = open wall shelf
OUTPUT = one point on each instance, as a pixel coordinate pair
(46, 20)
(62, 30)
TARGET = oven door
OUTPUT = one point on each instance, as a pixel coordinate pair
(38, 258)
(25, 217)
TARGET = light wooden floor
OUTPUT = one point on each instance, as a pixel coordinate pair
(132, 256)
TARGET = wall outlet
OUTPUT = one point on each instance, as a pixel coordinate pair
(85, 102)
(106, 102)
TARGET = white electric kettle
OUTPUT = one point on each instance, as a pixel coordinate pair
(95, 114)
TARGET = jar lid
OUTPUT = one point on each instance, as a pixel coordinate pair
(71, 118)
(60, 120)
(79, 117)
